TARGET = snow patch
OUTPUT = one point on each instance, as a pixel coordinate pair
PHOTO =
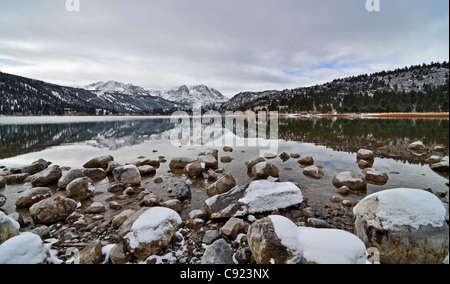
(26, 248)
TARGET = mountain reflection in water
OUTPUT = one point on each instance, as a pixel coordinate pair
(388, 138)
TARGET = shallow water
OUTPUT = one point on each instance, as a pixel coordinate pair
(333, 143)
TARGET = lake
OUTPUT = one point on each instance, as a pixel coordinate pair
(72, 141)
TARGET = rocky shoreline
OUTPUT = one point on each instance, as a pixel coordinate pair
(240, 223)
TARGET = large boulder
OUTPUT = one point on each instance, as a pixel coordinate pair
(52, 210)
(277, 240)
(99, 162)
(8, 227)
(48, 176)
(80, 189)
(223, 185)
(151, 231)
(350, 179)
(264, 170)
(32, 196)
(406, 226)
(256, 197)
(128, 174)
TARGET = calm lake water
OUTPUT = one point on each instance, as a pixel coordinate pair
(333, 143)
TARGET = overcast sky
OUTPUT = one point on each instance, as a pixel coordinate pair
(230, 45)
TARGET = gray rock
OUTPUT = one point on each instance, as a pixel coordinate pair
(32, 169)
(32, 196)
(146, 170)
(194, 170)
(95, 208)
(8, 228)
(52, 210)
(150, 232)
(183, 192)
(179, 163)
(264, 170)
(16, 178)
(92, 254)
(69, 177)
(211, 236)
(127, 175)
(3, 200)
(80, 189)
(122, 217)
(99, 162)
(209, 160)
(260, 196)
(375, 176)
(218, 253)
(233, 227)
(266, 246)
(252, 163)
(417, 147)
(314, 172)
(365, 164)
(48, 176)
(364, 154)
(173, 204)
(119, 254)
(95, 173)
(352, 180)
(222, 185)
(308, 160)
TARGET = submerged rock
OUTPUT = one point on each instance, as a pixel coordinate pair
(308, 160)
(406, 226)
(264, 170)
(350, 179)
(314, 172)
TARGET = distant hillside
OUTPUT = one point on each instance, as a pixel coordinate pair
(420, 88)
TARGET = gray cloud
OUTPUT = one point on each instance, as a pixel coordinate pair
(233, 45)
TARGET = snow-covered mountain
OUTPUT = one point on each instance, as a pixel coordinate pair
(182, 95)
(193, 94)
